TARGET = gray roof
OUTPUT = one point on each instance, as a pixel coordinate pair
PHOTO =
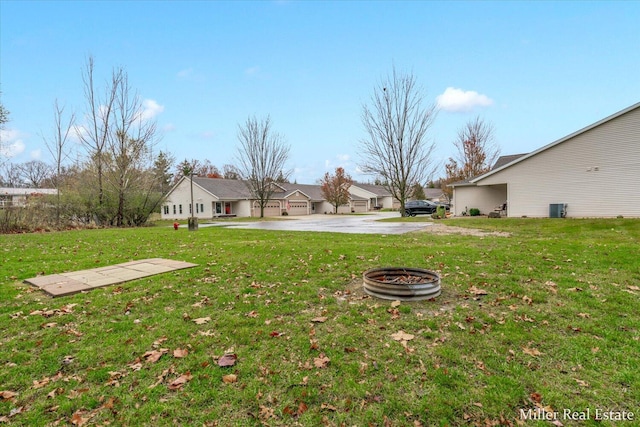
(378, 190)
(313, 191)
(226, 189)
(432, 193)
(503, 160)
(234, 189)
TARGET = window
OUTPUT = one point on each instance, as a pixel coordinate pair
(174, 209)
(201, 207)
(180, 209)
(166, 209)
(189, 207)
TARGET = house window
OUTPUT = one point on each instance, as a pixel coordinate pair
(174, 209)
(218, 208)
(189, 207)
(180, 209)
(166, 209)
(196, 208)
(201, 207)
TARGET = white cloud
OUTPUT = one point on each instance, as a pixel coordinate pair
(186, 73)
(169, 127)
(150, 109)
(457, 100)
(36, 154)
(12, 144)
(343, 157)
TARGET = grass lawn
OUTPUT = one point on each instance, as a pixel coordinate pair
(547, 319)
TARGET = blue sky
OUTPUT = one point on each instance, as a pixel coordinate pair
(537, 71)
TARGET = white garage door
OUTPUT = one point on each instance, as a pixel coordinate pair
(271, 209)
(359, 206)
(298, 207)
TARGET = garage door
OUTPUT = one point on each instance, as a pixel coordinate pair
(359, 205)
(271, 209)
(298, 207)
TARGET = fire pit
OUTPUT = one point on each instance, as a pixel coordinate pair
(402, 283)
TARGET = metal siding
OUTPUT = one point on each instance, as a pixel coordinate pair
(566, 173)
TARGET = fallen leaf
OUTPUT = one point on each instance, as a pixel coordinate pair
(302, 408)
(582, 383)
(201, 320)
(584, 315)
(7, 395)
(180, 352)
(402, 336)
(536, 397)
(460, 325)
(157, 343)
(321, 361)
(531, 351)
(321, 319)
(252, 314)
(39, 384)
(395, 304)
(180, 381)
(228, 379)
(154, 355)
(78, 420)
(477, 291)
(227, 360)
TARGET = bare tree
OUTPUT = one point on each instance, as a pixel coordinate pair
(57, 146)
(476, 153)
(230, 172)
(397, 148)
(12, 176)
(4, 119)
(129, 145)
(262, 156)
(34, 173)
(95, 133)
(335, 188)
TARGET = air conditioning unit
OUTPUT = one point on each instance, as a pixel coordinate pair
(557, 210)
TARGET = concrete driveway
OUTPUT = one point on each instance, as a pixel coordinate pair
(357, 224)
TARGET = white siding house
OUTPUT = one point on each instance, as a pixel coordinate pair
(18, 197)
(214, 197)
(594, 171)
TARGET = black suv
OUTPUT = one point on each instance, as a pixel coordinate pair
(416, 207)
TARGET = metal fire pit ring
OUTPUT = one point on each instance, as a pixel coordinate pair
(402, 283)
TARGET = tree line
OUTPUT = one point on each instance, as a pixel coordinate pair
(118, 179)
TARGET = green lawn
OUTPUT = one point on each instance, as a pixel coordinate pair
(547, 319)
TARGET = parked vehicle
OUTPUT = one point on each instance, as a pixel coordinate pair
(417, 207)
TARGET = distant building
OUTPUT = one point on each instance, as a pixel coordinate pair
(214, 197)
(19, 196)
